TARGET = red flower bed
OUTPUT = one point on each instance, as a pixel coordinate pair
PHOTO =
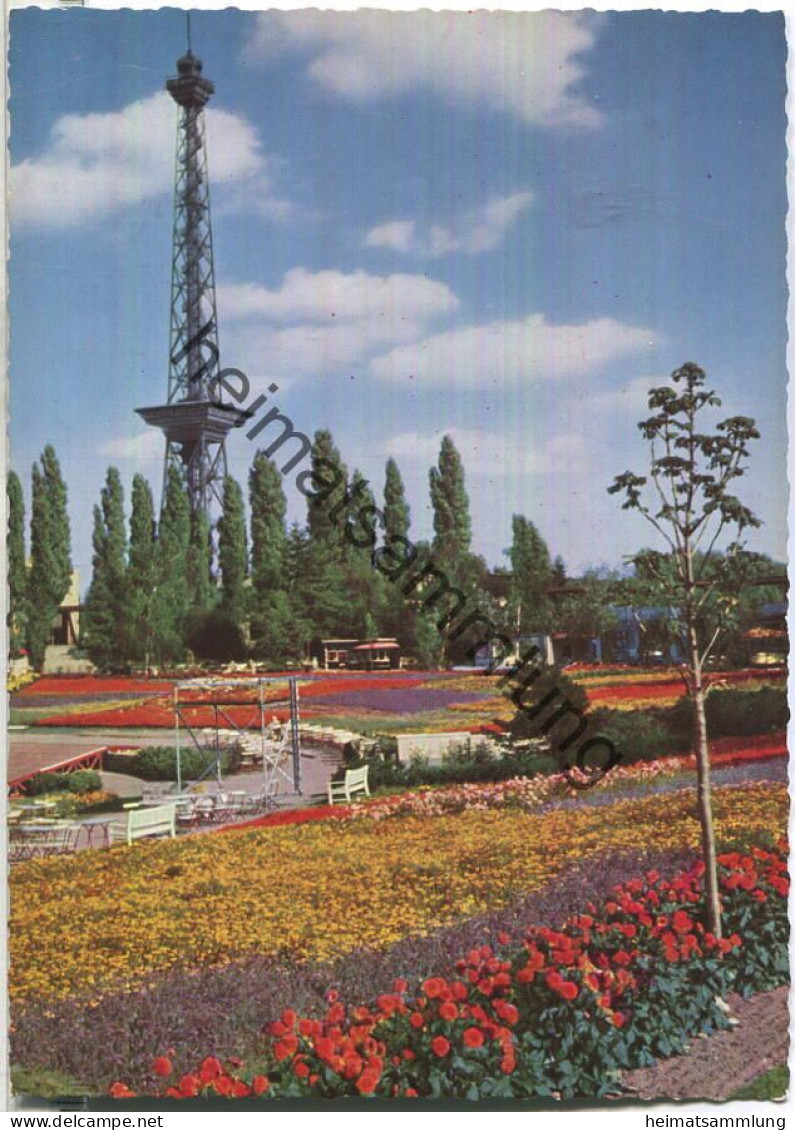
(487, 1028)
(93, 684)
(158, 714)
(733, 751)
(292, 816)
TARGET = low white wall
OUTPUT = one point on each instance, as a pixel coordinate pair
(431, 746)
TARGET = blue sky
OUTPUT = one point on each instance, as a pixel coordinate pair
(507, 227)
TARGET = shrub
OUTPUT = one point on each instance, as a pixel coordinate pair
(463, 766)
(638, 735)
(215, 635)
(81, 781)
(548, 694)
(159, 763)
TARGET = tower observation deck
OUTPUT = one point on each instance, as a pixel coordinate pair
(195, 420)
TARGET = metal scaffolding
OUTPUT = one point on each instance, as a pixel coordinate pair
(279, 743)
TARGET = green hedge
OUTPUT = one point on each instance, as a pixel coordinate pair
(80, 781)
(643, 735)
(459, 768)
(159, 763)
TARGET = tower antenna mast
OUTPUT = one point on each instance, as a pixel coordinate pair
(195, 421)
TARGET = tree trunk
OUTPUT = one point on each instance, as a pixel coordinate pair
(704, 792)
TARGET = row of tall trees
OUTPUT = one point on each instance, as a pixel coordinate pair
(38, 584)
(154, 595)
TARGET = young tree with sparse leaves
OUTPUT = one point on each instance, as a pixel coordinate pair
(689, 501)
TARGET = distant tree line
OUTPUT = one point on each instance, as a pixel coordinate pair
(162, 592)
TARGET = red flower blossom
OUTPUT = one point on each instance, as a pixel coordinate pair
(433, 987)
(473, 1038)
(367, 1082)
(162, 1066)
(448, 1011)
(260, 1084)
(417, 1020)
(210, 1069)
(440, 1046)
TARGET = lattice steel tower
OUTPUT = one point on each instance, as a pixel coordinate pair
(195, 420)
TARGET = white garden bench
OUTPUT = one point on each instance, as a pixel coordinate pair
(355, 782)
(141, 822)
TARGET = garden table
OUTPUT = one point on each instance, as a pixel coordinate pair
(97, 827)
(42, 838)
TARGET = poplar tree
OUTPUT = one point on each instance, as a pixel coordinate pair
(327, 489)
(690, 504)
(233, 551)
(451, 522)
(141, 572)
(171, 594)
(60, 537)
(50, 561)
(105, 628)
(17, 570)
(531, 577)
(200, 561)
(397, 515)
(272, 625)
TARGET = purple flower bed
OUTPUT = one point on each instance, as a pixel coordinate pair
(223, 1011)
(413, 700)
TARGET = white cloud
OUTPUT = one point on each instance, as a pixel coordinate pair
(492, 455)
(324, 295)
(524, 63)
(506, 353)
(142, 449)
(478, 231)
(96, 164)
(324, 321)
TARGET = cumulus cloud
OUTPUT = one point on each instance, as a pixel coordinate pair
(322, 321)
(524, 63)
(322, 295)
(490, 454)
(142, 449)
(507, 352)
(97, 164)
(478, 231)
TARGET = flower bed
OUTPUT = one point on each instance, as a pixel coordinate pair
(319, 890)
(630, 980)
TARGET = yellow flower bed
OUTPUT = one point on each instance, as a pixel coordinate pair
(103, 919)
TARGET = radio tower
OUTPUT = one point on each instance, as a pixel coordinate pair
(195, 421)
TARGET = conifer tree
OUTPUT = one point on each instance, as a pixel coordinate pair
(17, 569)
